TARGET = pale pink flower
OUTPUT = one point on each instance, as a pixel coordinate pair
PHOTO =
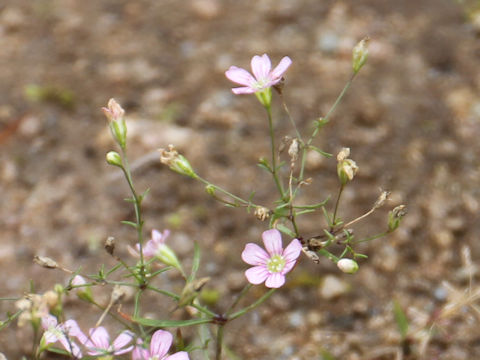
(271, 265)
(61, 332)
(159, 345)
(153, 246)
(264, 78)
(98, 342)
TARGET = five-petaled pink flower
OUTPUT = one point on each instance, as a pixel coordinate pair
(159, 345)
(264, 78)
(98, 342)
(271, 265)
(63, 332)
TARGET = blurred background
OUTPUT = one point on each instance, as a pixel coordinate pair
(411, 120)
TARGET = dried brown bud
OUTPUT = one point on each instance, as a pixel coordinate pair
(312, 255)
(262, 213)
(343, 154)
(110, 245)
(45, 262)
(381, 199)
(176, 162)
(294, 149)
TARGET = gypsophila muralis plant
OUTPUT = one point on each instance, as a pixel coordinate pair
(146, 338)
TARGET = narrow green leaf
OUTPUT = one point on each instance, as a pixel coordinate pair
(400, 318)
(171, 323)
(321, 152)
(285, 230)
(196, 261)
(131, 223)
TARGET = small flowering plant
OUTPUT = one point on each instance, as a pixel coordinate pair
(144, 338)
(270, 266)
(264, 77)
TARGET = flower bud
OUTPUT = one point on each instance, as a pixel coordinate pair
(113, 158)
(360, 54)
(395, 216)
(83, 292)
(348, 266)
(167, 256)
(210, 189)
(118, 127)
(176, 162)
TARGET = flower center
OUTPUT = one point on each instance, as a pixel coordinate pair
(276, 263)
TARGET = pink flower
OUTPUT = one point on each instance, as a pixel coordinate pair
(61, 332)
(271, 265)
(264, 78)
(98, 342)
(153, 246)
(159, 345)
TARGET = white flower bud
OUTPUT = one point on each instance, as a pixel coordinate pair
(348, 266)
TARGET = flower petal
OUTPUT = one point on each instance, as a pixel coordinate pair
(239, 76)
(243, 90)
(70, 346)
(257, 274)
(254, 255)
(273, 241)
(49, 321)
(122, 340)
(280, 69)
(292, 251)
(99, 339)
(261, 67)
(160, 344)
(182, 355)
(139, 353)
(275, 280)
(157, 236)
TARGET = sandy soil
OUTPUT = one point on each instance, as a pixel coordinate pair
(411, 120)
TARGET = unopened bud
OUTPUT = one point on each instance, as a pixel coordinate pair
(294, 149)
(395, 217)
(348, 266)
(113, 111)
(110, 245)
(176, 161)
(118, 293)
(113, 158)
(45, 262)
(167, 256)
(210, 189)
(360, 54)
(118, 127)
(262, 213)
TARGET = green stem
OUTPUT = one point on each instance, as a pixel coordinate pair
(274, 157)
(252, 306)
(325, 119)
(377, 236)
(218, 352)
(238, 298)
(334, 219)
(239, 199)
